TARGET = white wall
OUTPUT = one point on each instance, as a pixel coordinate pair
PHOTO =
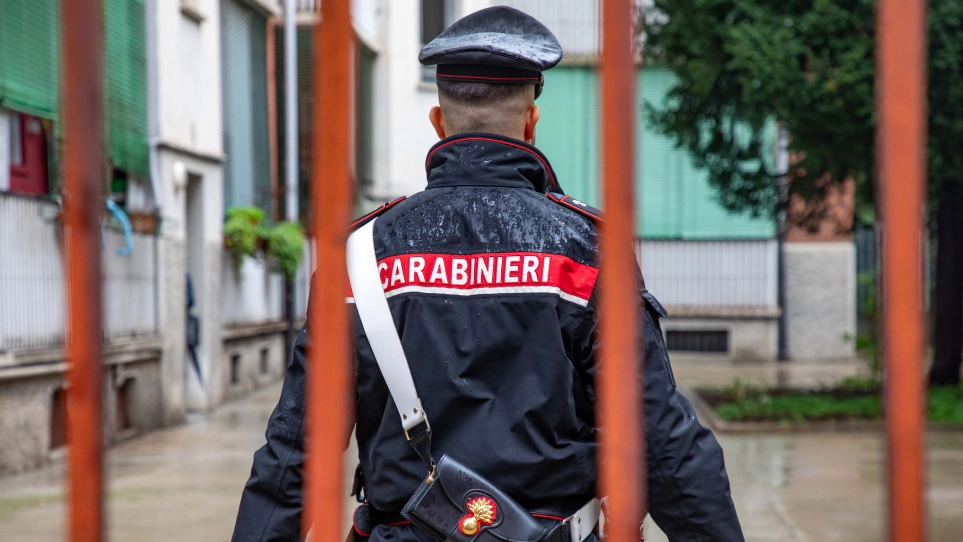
(252, 294)
(366, 15)
(188, 76)
(403, 134)
(185, 96)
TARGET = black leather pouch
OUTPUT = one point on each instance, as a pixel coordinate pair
(459, 505)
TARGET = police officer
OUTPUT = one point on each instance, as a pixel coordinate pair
(490, 275)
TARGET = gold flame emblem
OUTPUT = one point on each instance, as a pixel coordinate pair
(481, 511)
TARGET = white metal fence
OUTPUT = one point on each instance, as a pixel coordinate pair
(711, 274)
(682, 274)
(303, 6)
(32, 281)
(574, 22)
(306, 6)
(130, 287)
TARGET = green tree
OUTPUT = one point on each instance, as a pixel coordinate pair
(810, 65)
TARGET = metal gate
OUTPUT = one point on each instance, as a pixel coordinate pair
(901, 148)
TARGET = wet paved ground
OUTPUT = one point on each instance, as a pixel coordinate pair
(184, 483)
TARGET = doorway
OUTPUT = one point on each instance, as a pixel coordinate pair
(197, 364)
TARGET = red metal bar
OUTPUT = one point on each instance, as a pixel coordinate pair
(329, 373)
(901, 147)
(83, 34)
(619, 391)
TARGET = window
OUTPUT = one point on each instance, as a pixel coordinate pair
(265, 364)
(364, 119)
(16, 141)
(235, 368)
(433, 18)
(247, 170)
(697, 340)
(436, 15)
(124, 399)
(58, 414)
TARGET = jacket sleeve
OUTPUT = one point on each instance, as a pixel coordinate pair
(688, 488)
(270, 507)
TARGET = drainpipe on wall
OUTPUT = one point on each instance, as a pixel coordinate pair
(782, 166)
(290, 112)
(291, 148)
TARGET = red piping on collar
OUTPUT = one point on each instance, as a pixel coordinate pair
(564, 201)
(509, 143)
(377, 211)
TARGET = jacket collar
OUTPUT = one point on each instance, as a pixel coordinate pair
(483, 159)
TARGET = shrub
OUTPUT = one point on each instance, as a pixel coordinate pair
(285, 245)
(241, 232)
(244, 233)
(851, 398)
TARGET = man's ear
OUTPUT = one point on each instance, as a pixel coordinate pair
(531, 119)
(437, 121)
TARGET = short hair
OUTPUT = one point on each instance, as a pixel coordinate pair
(485, 107)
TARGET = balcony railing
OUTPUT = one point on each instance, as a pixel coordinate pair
(303, 6)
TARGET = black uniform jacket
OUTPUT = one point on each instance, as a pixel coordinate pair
(492, 285)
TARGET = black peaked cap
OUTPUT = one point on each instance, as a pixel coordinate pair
(494, 39)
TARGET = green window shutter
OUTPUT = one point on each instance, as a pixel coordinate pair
(247, 176)
(677, 201)
(125, 80)
(364, 118)
(30, 56)
(568, 130)
(305, 45)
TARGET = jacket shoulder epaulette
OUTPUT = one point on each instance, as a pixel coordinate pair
(576, 205)
(370, 216)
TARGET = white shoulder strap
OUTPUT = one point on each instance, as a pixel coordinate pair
(379, 326)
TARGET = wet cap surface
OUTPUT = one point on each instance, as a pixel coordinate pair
(496, 36)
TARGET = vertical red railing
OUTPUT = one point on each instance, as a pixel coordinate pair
(83, 34)
(619, 389)
(329, 370)
(901, 148)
